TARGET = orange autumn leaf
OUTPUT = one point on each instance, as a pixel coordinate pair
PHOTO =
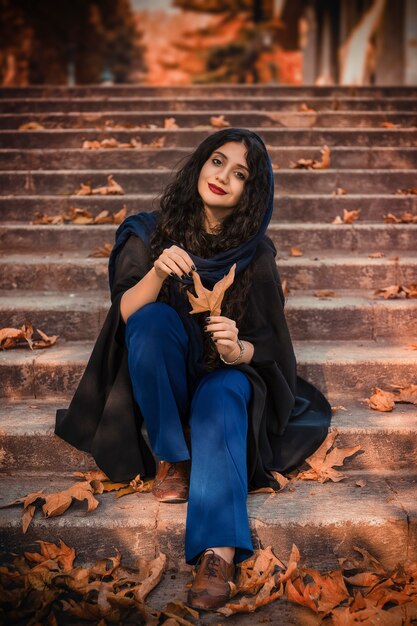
(219, 121)
(312, 163)
(323, 461)
(111, 188)
(296, 252)
(210, 300)
(381, 400)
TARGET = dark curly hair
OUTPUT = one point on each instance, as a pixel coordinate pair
(181, 219)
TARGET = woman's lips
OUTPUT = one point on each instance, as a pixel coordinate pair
(217, 190)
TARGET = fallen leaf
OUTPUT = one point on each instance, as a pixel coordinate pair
(389, 125)
(340, 191)
(323, 461)
(312, 163)
(324, 293)
(210, 300)
(219, 121)
(360, 483)
(112, 188)
(339, 407)
(376, 255)
(296, 252)
(170, 123)
(31, 126)
(407, 191)
(102, 251)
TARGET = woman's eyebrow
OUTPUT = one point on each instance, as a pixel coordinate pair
(223, 155)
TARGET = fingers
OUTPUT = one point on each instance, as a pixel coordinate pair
(175, 261)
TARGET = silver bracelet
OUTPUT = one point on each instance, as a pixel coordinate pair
(242, 349)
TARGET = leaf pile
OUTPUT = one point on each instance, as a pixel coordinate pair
(111, 142)
(397, 291)
(381, 400)
(46, 585)
(210, 300)
(361, 591)
(112, 188)
(348, 217)
(22, 337)
(56, 503)
(81, 217)
(312, 164)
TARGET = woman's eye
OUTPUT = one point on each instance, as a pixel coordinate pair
(240, 175)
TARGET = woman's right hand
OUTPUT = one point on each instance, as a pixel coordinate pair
(174, 261)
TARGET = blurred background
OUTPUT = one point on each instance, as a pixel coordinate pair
(180, 42)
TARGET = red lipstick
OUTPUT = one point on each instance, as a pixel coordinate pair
(217, 190)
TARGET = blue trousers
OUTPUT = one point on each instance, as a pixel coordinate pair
(217, 416)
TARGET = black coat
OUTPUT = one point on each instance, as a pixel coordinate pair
(288, 416)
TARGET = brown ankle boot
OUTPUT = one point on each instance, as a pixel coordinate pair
(210, 588)
(172, 481)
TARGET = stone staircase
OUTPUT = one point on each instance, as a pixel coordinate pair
(345, 345)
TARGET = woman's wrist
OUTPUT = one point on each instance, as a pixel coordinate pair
(235, 356)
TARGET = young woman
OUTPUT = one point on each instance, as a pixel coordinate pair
(205, 404)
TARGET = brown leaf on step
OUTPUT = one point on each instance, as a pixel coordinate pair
(324, 293)
(381, 400)
(79, 216)
(338, 407)
(281, 479)
(340, 191)
(397, 291)
(219, 121)
(296, 252)
(102, 251)
(407, 191)
(360, 483)
(305, 108)
(350, 216)
(337, 220)
(31, 126)
(285, 288)
(376, 255)
(109, 143)
(210, 300)
(261, 490)
(57, 503)
(112, 188)
(170, 123)
(312, 164)
(84, 190)
(91, 475)
(44, 218)
(323, 461)
(120, 215)
(389, 125)
(406, 393)
(412, 346)
(405, 218)
(23, 337)
(103, 217)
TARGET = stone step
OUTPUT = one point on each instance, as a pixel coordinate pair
(288, 181)
(288, 208)
(212, 90)
(307, 236)
(186, 103)
(27, 439)
(185, 119)
(325, 521)
(350, 314)
(354, 366)
(330, 270)
(188, 137)
(169, 158)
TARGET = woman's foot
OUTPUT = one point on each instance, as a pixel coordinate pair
(210, 588)
(172, 481)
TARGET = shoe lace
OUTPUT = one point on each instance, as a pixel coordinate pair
(212, 564)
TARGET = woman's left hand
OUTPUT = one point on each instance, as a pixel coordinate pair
(224, 334)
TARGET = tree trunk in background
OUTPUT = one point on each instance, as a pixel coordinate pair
(410, 43)
(390, 45)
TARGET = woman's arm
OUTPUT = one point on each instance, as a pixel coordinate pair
(145, 291)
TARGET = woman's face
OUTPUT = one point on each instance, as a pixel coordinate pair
(226, 170)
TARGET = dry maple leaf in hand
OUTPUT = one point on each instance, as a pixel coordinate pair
(207, 300)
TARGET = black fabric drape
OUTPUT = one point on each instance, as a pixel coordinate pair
(288, 416)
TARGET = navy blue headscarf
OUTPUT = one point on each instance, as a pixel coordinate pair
(210, 270)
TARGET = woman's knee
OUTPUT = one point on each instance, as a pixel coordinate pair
(155, 319)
